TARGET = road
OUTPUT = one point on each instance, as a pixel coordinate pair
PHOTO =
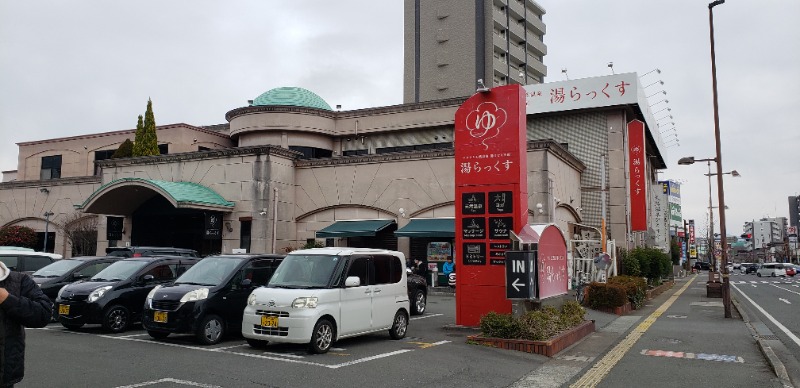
(429, 356)
(776, 303)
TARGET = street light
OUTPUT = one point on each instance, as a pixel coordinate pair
(726, 290)
(46, 228)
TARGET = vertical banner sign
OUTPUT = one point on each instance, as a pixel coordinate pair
(692, 246)
(637, 168)
(491, 196)
(213, 226)
(114, 228)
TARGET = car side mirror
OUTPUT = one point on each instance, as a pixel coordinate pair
(148, 278)
(246, 283)
(78, 276)
(352, 281)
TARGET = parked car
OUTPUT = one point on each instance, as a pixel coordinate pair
(702, 265)
(417, 293)
(208, 299)
(791, 270)
(150, 251)
(771, 269)
(26, 260)
(318, 296)
(737, 265)
(115, 296)
(62, 272)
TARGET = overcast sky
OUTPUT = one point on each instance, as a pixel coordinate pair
(80, 67)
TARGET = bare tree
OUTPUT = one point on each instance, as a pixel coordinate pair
(81, 232)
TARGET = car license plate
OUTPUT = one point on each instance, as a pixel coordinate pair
(160, 316)
(63, 309)
(269, 321)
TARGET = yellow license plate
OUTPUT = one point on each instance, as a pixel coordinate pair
(160, 316)
(63, 309)
(269, 321)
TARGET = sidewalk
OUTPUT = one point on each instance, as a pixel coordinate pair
(679, 338)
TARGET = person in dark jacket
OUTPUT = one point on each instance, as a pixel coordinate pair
(22, 304)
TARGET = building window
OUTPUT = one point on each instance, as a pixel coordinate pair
(417, 147)
(163, 149)
(355, 152)
(244, 235)
(51, 167)
(101, 155)
(201, 148)
(312, 152)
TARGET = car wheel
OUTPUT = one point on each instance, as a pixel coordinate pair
(758, 274)
(157, 334)
(72, 326)
(418, 303)
(116, 319)
(399, 326)
(257, 343)
(321, 337)
(772, 275)
(210, 330)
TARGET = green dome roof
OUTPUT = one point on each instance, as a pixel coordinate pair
(291, 96)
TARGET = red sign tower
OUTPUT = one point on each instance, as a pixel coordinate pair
(491, 196)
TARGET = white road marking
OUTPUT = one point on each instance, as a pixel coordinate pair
(784, 301)
(426, 316)
(775, 321)
(285, 355)
(365, 359)
(131, 335)
(231, 347)
(170, 380)
(786, 289)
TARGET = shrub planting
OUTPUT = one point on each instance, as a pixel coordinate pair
(635, 288)
(538, 325)
(605, 295)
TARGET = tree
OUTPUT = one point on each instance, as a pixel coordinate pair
(18, 236)
(138, 138)
(125, 150)
(81, 232)
(146, 141)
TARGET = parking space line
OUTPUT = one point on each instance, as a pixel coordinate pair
(283, 355)
(365, 359)
(426, 316)
(786, 289)
(230, 347)
(170, 380)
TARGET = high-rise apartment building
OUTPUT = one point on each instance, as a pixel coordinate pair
(794, 211)
(450, 44)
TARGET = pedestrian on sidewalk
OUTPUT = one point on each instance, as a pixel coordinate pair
(22, 304)
(420, 268)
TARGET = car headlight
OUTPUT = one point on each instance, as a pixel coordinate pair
(251, 300)
(98, 293)
(151, 294)
(61, 291)
(305, 301)
(198, 294)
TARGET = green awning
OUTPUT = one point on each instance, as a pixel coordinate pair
(428, 227)
(125, 195)
(353, 228)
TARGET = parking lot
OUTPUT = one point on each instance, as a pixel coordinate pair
(431, 354)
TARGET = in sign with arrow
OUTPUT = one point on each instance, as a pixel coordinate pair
(518, 274)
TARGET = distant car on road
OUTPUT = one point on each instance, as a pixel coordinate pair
(771, 269)
(791, 270)
(750, 268)
(702, 265)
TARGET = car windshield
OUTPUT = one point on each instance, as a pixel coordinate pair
(211, 271)
(304, 271)
(120, 270)
(57, 269)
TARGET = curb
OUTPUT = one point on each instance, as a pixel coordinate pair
(773, 360)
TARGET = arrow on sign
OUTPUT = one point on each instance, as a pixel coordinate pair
(515, 285)
(784, 301)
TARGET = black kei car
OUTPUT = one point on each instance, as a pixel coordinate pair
(62, 272)
(208, 300)
(115, 296)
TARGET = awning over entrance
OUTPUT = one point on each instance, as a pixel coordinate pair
(354, 228)
(428, 227)
(123, 196)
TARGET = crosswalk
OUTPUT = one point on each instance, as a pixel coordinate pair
(792, 282)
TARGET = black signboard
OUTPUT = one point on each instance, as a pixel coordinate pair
(500, 202)
(499, 227)
(213, 226)
(519, 271)
(114, 228)
(473, 228)
(473, 203)
(474, 253)
(497, 257)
